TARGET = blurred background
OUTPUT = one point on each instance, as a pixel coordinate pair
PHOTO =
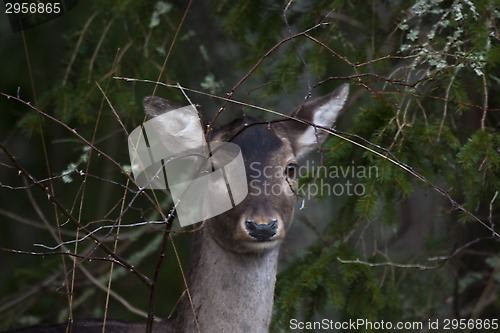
(419, 241)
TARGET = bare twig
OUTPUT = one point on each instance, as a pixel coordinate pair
(66, 213)
(388, 263)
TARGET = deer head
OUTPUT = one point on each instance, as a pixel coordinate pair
(271, 152)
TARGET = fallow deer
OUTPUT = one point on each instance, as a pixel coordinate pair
(234, 260)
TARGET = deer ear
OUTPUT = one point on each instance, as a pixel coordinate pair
(178, 128)
(155, 106)
(321, 111)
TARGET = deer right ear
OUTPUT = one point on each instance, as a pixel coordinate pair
(321, 111)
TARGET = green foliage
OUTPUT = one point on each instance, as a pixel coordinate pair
(481, 146)
(479, 159)
(431, 125)
(315, 274)
(259, 25)
(331, 284)
(431, 67)
(72, 79)
(31, 124)
(101, 51)
(493, 57)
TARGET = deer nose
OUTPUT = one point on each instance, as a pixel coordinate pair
(262, 232)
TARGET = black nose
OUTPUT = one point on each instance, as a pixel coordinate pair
(262, 232)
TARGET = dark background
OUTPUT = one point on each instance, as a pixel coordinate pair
(424, 84)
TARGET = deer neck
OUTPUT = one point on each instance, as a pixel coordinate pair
(230, 292)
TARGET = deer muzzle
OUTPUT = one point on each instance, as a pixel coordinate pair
(262, 232)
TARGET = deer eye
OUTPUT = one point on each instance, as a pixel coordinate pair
(291, 171)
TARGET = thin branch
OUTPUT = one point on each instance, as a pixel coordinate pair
(92, 232)
(445, 107)
(77, 47)
(388, 263)
(485, 100)
(65, 212)
(256, 65)
(113, 294)
(365, 144)
(63, 253)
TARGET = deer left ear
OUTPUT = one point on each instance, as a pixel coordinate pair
(321, 111)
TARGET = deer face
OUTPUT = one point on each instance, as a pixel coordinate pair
(260, 221)
(271, 152)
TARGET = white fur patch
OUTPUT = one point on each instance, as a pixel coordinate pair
(324, 115)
